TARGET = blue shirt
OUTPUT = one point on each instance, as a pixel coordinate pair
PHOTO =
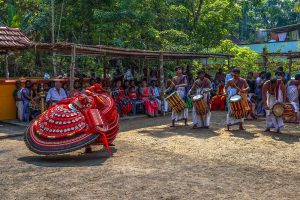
(155, 91)
(228, 77)
(53, 95)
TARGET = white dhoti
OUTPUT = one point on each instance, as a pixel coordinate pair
(183, 114)
(293, 97)
(230, 120)
(271, 120)
(19, 105)
(201, 120)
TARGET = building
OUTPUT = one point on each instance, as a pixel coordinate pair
(280, 39)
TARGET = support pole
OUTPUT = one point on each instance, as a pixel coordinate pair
(6, 67)
(162, 81)
(72, 67)
(290, 65)
(104, 67)
(265, 59)
(148, 71)
(53, 39)
(229, 62)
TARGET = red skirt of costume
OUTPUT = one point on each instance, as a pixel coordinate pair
(74, 123)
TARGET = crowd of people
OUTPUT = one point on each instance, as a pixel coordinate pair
(134, 96)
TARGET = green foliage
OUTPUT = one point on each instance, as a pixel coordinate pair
(171, 25)
(244, 58)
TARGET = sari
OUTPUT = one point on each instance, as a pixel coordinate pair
(123, 103)
(150, 103)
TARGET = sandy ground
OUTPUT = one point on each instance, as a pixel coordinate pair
(153, 161)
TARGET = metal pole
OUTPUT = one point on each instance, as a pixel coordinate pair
(162, 81)
(72, 67)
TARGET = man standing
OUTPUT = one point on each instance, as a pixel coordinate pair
(292, 93)
(26, 98)
(18, 98)
(273, 92)
(235, 86)
(179, 82)
(202, 86)
(56, 94)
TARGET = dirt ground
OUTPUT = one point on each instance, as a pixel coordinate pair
(153, 161)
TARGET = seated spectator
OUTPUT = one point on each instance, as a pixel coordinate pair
(219, 100)
(66, 88)
(56, 94)
(156, 94)
(35, 102)
(92, 81)
(77, 89)
(135, 102)
(26, 97)
(17, 94)
(150, 103)
(220, 76)
(122, 102)
(126, 87)
(85, 86)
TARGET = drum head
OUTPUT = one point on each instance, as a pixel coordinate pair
(278, 109)
(197, 97)
(235, 98)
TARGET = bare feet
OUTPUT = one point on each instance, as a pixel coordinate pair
(185, 122)
(241, 127)
(228, 128)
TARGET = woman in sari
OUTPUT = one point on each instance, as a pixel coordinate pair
(123, 103)
(150, 102)
(35, 104)
(219, 100)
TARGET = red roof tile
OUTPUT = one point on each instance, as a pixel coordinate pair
(13, 38)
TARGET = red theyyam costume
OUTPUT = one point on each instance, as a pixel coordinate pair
(74, 123)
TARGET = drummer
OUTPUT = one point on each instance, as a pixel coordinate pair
(273, 91)
(179, 82)
(203, 87)
(235, 86)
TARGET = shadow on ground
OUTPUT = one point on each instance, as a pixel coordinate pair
(96, 158)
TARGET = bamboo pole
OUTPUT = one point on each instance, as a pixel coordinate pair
(72, 67)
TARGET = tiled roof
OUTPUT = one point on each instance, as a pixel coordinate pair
(12, 38)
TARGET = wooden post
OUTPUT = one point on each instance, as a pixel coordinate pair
(53, 38)
(6, 66)
(72, 67)
(162, 81)
(265, 59)
(229, 62)
(104, 67)
(148, 72)
(290, 65)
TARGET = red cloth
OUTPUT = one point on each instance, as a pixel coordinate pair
(151, 104)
